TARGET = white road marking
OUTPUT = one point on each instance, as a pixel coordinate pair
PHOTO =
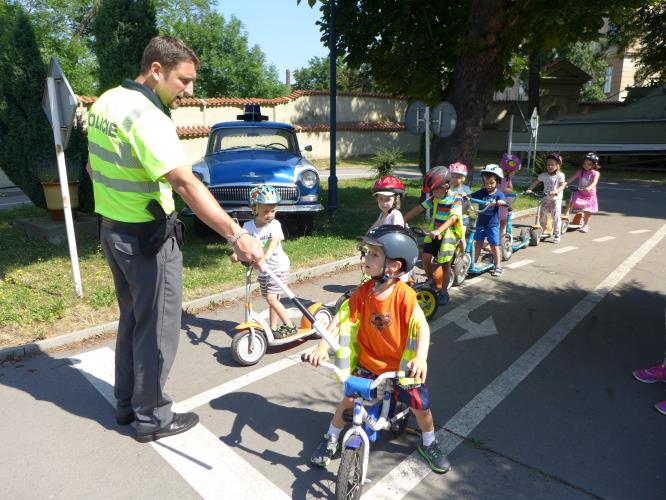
(240, 382)
(460, 316)
(603, 238)
(565, 249)
(639, 231)
(211, 467)
(520, 263)
(409, 473)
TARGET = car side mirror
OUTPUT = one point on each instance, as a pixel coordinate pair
(307, 148)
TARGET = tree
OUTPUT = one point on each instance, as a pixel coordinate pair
(229, 66)
(62, 30)
(588, 56)
(315, 76)
(122, 29)
(25, 135)
(458, 51)
(645, 30)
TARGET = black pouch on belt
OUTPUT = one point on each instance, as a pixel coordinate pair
(163, 228)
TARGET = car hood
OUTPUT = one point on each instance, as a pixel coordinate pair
(256, 167)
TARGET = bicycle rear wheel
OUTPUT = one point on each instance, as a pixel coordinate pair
(349, 485)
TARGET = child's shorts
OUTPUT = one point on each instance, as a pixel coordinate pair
(491, 233)
(432, 247)
(267, 285)
(416, 397)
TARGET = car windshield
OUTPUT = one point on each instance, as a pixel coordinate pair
(228, 139)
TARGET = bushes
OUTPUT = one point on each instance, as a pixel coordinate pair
(385, 160)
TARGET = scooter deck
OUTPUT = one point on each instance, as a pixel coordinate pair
(302, 333)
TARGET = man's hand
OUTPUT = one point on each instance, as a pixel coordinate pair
(318, 356)
(418, 368)
(249, 249)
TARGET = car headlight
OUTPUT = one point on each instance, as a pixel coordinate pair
(309, 178)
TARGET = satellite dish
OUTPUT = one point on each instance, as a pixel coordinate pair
(415, 117)
(443, 118)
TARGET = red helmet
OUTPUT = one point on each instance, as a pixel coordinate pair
(435, 178)
(388, 185)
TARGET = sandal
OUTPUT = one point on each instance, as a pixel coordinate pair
(497, 272)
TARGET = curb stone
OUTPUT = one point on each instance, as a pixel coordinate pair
(40, 346)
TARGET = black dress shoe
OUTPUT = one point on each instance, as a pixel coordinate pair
(124, 418)
(181, 422)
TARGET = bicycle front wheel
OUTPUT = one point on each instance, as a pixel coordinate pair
(349, 485)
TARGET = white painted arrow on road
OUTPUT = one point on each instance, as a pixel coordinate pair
(460, 317)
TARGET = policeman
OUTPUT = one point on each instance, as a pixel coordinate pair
(135, 161)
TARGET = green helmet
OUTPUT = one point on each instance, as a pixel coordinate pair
(264, 194)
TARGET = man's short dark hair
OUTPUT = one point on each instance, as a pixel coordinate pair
(169, 51)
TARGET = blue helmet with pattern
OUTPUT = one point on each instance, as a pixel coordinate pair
(264, 194)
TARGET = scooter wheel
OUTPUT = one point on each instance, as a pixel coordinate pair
(507, 247)
(524, 235)
(565, 226)
(535, 237)
(323, 316)
(240, 347)
(427, 299)
(460, 267)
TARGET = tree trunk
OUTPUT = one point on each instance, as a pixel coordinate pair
(474, 81)
(534, 82)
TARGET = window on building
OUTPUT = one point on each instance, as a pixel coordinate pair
(608, 78)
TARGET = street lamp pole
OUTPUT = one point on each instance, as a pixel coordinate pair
(333, 57)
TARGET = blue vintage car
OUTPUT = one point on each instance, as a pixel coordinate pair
(253, 151)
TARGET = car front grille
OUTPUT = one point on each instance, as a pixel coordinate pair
(241, 194)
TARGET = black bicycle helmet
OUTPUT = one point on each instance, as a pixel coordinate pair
(397, 243)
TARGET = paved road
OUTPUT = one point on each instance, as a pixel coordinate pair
(11, 198)
(529, 376)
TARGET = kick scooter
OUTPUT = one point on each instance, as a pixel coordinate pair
(509, 243)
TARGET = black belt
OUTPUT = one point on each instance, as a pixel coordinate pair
(130, 228)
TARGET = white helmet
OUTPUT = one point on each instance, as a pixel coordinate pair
(494, 170)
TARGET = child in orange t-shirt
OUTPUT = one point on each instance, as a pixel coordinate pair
(391, 334)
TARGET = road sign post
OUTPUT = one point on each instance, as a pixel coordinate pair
(59, 103)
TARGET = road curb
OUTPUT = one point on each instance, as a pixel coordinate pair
(40, 346)
(32, 348)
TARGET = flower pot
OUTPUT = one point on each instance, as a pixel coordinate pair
(54, 199)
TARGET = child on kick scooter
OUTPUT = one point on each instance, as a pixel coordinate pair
(388, 190)
(553, 185)
(386, 330)
(444, 232)
(266, 228)
(487, 223)
(585, 198)
(458, 174)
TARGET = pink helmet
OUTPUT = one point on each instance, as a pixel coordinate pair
(510, 163)
(458, 168)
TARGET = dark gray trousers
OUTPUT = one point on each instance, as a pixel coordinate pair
(149, 293)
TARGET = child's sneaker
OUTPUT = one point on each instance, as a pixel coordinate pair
(327, 447)
(435, 457)
(556, 239)
(651, 375)
(442, 298)
(661, 407)
(584, 228)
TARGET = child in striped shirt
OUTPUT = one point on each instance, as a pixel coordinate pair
(445, 229)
